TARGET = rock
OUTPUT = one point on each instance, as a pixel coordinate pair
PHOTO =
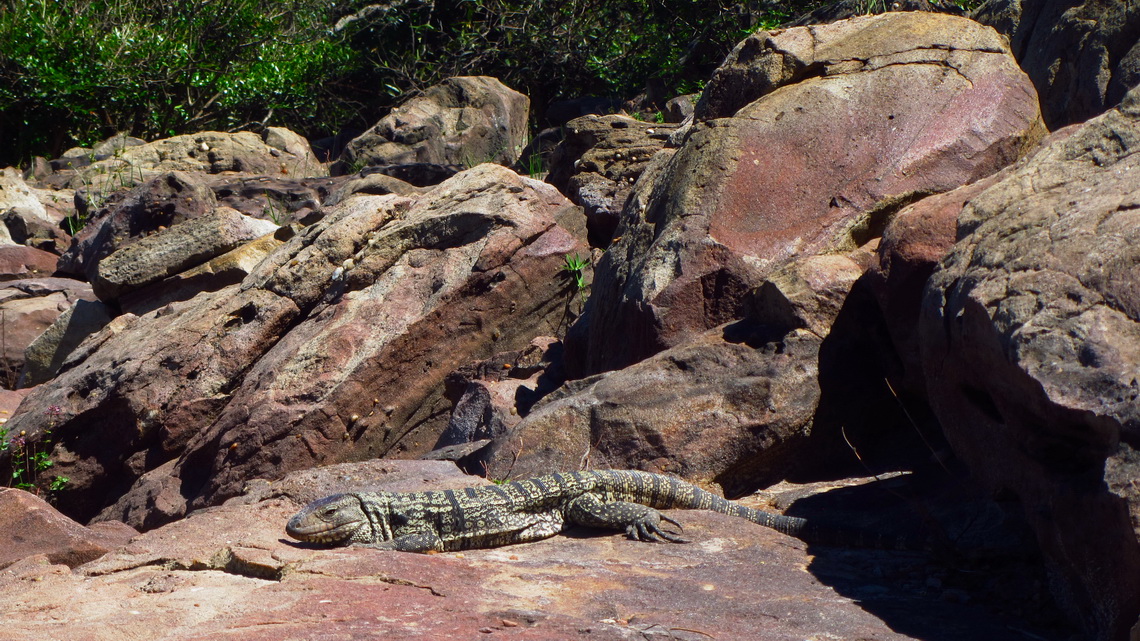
(1082, 56)
(349, 328)
(45, 355)
(28, 308)
(175, 249)
(20, 261)
(115, 145)
(210, 152)
(464, 120)
(131, 215)
(375, 184)
(30, 526)
(492, 396)
(217, 273)
(727, 408)
(679, 108)
(597, 163)
(418, 174)
(280, 200)
(229, 572)
(1030, 330)
(798, 134)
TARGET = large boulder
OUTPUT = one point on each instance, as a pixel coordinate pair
(334, 347)
(1082, 55)
(798, 135)
(278, 152)
(733, 407)
(1030, 334)
(464, 120)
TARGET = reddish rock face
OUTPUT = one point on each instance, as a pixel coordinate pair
(335, 347)
(1030, 335)
(799, 134)
(230, 572)
(29, 526)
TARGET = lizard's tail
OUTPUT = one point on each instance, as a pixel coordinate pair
(665, 492)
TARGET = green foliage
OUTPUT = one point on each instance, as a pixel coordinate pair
(575, 266)
(29, 460)
(77, 71)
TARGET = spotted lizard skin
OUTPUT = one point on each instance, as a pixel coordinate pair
(528, 510)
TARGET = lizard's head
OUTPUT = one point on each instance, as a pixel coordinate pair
(335, 520)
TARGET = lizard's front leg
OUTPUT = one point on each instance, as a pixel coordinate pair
(640, 522)
(423, 541)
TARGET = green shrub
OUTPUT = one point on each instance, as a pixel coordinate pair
(76, 71)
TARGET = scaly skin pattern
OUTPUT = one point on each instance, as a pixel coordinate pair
(527, 510)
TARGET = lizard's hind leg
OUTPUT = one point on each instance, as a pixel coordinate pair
(640, 522)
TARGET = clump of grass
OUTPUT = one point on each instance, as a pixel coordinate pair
(30, 460)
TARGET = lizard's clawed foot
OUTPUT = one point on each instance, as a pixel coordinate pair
(650, 530)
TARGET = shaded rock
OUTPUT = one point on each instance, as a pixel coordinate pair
(1082, 56)
(807, 293)
(418, 174)
(728, 408)
(376, 184)
(229, 572)
(45, 355)
(131, 215)
(464, 120)
(175, 249)
(30, 526)
(27, 309)
(492, 396)
(597, 163)
(678, 108)
(1029, 332)
(798, 134)
(31, 216)
(335, 347)
(277, 199)
(20, 261)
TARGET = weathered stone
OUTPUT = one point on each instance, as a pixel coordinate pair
(176, 249)
(27, 309)
(808, 131)
(597, 163)
(29, 526)
(210, 152)
(349, 328)
(129, 216)
(281, 200)
(727, 408)
(1082, 55)
(45, 355)
(228, 269)
(464, 120)
(20, 261)
(1030, 331)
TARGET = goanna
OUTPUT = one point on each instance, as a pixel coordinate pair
(532, 509)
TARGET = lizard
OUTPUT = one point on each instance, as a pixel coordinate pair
(534, 509)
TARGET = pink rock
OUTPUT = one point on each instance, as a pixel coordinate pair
(30, 526)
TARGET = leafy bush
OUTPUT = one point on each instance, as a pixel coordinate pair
(77, 71)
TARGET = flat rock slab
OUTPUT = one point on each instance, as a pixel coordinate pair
(229, 572)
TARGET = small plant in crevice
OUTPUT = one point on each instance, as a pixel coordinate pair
(574, 266)
(30, 460)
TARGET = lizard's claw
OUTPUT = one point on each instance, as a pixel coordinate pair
(650, 530)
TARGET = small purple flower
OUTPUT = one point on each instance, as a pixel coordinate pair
(54, 410)
(18, 442)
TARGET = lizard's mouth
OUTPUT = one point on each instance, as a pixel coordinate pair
(322, 532)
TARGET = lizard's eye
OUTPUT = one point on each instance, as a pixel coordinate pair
(328, 511)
